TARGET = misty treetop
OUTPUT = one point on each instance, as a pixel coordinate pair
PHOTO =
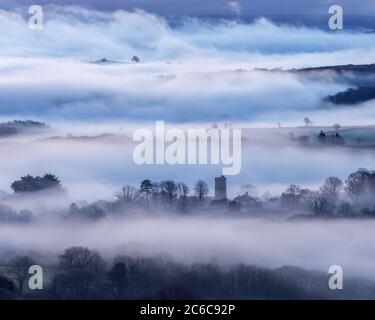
(9, 215)
(20, 126)
(32, 184)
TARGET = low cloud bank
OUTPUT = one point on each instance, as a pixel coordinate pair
(314, 245)
(72, 31)
(194, 72)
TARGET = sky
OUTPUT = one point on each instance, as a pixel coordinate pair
(188, 7)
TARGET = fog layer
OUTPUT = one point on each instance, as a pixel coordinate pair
(313, 245)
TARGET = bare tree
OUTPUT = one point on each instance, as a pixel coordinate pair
(332, 187)
(308, 122)
(321, 206)
(118, 275)
(127, 194)
(81, 258)
(183, 190)
(155, 191)
(294, 195)
(346, 210)
(357, 182)
(201, 189)
(170, 189)
(19, 268)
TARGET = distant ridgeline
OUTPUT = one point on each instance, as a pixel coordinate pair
(358, 69)
(19, 126)
(355, 68)
(350, 96)
(353, 96)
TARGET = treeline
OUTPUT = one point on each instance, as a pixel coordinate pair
(352, 96)
(166, 196)
(17, 126)
(9, 215)
(83, 274)
(352, 198)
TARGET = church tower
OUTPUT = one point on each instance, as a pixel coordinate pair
(220, 188)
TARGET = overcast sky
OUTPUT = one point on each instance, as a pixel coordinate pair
(257, 7)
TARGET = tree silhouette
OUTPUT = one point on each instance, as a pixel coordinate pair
(201, 189)
(169, 188)
(119, 277)
(332, 187)
(357, 183)
(146, 188)
(81, 258)
(6, 284)
(32, 184)
(20, 270)
(127, 195)
(308, 122)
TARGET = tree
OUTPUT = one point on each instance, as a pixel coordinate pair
(32, 184)
(7, 288)
(332, 187)
(136, 59)
(127, 195)
(291, 197)
(248, 202)
(201, 189)
(155, 192)
(81, 258)
(322, 137)
(175, 292)
(183, 190)
(25, 184)
(146, 188)
(8, 215)
(368, 213)
(308, 122)
(169, 188)
(19, 268)
(346, 210)
(77, 284)
(118, 275)
(7, 284)
(321, 206)
(90, 212)
(357, 182)
(81, 275)
(234, 206)
(48, 181)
